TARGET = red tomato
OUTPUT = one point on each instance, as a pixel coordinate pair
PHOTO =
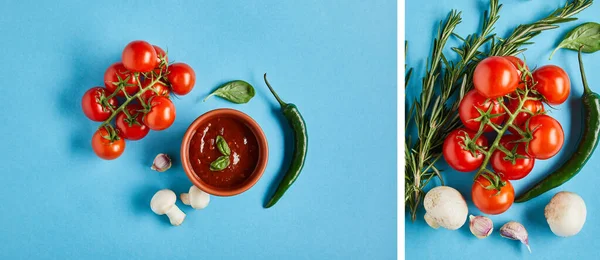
(469, 108)
(518, 63)
(104, 147)
(490, 201)
(139, 56)
(117, 75)
(495, 77)
(515, 166)
(457, 155)
(162, 114)
(92, 106)
(553, 83)
(133, 128)
(535, 106)
(160, 53)
(548, 137)
(159, 88)
(182, 78)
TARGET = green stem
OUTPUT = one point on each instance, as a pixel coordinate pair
(281, 103)
(586, 88)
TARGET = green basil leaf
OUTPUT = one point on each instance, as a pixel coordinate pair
(586, 36)
(222, 146)
(220, 163)
(237, 91)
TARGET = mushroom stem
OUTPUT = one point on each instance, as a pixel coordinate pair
(431, 222)
(185, 198)
(176, 216)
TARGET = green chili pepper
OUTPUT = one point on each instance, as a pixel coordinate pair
(294, 118)
(587, 144)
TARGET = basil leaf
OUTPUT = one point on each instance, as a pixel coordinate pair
(237, 91)
(586, 36)
(220, 163)
(222, 145)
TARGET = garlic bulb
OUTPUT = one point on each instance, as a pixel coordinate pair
(480, 226)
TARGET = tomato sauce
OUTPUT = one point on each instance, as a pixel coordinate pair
(244, 152)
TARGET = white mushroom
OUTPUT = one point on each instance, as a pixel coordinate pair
(445, 207)
(163, 202)
(196, 198)
(565, 214)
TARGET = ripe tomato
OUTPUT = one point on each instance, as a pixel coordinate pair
(490, 201)
(134, 128)
(117, 75)
(182, 78)
(470, 106)
(553, 83)
(535, 106)
(104, 147)
(548, 137)
(92, 106)
(160, 89)
(139, 56)
(160, 53)
(518, 63)
(457, 155)
(495, 77)
(512, 167)
(161, 114)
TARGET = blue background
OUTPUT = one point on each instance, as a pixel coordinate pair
(423, 242)
(336, 60)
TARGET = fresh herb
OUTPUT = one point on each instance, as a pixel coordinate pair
(220, 163)
(445, 83)
(222, 146)
(585, 37)
(237, 91)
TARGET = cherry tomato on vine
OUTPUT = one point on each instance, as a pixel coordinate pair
(117, 75)
(518, 63)
(495, 77)
(161, 115)
(548, 137)
(489, 200)
(160, 53)
(535, 106)
(553, 83)
(514, 166)
(457, 155)
(160, 89)
(93, 104)
(472, 103)
(181, 77)
(106, 148)
(139, 56)
(132, 128)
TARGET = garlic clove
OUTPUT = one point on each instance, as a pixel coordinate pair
(161, 163)
(480, 226)
(515, 231)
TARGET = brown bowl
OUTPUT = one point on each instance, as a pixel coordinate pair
(262, 150)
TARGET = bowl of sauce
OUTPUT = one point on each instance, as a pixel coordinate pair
(248, 152)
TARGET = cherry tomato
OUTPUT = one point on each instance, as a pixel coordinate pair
(548, 137)
(92, 106)
(518, 63)
(160, 53)
(456, 154)
(117, 75)
(159, 88)
(161, 115)
(553, 83)
(470, 105)
(139, 56)
(535, 106)
(490, 201)
(513, 167)
(182, 78)
(495, 77)
(104, 147)
(133, 128)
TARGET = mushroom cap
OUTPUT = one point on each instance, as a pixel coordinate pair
(198, 198)
(566, 213)
(163, 201)
(445, 207)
